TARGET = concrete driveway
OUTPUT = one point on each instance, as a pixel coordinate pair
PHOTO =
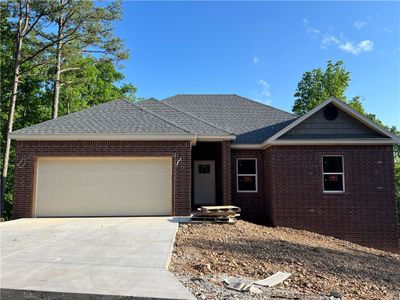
(89, 257)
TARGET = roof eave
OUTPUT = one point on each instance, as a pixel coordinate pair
(316, 142)
(371, 141)
(210, 138)
(119, 137)
(99, 137)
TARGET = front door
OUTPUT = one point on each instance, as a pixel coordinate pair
(204, 182)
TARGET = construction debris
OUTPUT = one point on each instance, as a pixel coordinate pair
(318, 264)
(241, 285)
(273, 280)
(237, 284)
(255, 290)
(216, 214)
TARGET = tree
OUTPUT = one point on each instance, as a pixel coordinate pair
(92, 85)
(17, 79)
(25, 23)
(96, 82)
(316, 86)
(81, 27)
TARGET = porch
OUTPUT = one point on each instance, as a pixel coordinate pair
(211, 174)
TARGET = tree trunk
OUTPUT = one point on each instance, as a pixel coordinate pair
(57, 82)
(57, 74)
(13, 101)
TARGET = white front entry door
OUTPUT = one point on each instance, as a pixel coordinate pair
(204, 182)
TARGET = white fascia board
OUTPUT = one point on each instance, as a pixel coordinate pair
(210, 138)
(316, 142)
(246, 146)
(101, 137)
(332, 142)
(121, 137)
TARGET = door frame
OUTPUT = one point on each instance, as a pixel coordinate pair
(194, 181)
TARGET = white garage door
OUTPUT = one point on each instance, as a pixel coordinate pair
(103, 186)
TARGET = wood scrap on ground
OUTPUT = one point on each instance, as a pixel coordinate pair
(216, 214)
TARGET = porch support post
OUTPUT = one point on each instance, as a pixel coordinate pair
(226, 172)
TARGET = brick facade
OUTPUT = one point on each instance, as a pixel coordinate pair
(226, 188)
(253, 205)
(289, 181)
(28, 151)
(364, 214)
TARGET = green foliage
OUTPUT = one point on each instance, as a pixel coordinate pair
(83, 27)
(96, 80)
(316, 86)
(94, 83)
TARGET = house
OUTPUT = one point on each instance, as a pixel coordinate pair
(330, 171)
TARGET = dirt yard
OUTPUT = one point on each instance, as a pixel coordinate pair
(205, 254)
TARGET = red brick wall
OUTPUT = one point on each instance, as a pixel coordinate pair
(253, 205)
(226, 185)
(364, 214)
(28, 151)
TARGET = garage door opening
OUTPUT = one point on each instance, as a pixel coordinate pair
(103, 186)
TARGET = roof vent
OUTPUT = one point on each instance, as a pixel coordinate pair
(330, 113)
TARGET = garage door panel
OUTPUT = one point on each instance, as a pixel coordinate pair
(104, 186)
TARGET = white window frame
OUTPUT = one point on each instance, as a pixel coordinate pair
(237, 175)
(333, 173)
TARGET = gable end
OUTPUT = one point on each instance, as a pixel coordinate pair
(331, 122)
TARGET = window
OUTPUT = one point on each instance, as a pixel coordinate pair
(247, 175)
(333, 174)
(204, 169)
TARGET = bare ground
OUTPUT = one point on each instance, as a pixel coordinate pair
(319, 264)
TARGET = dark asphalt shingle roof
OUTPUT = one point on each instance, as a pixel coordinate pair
(115, 117)
(251, 121)
(179, 118)
(219, 114)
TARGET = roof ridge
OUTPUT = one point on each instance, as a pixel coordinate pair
(248, 99)
(195, 117)
(273, 107)
(158, 117)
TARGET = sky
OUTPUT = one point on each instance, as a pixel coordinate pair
(260, 50)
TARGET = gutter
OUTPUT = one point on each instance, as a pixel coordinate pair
(193, 138)
(321, 142)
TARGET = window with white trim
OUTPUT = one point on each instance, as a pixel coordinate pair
(333, 173)
(246, 175)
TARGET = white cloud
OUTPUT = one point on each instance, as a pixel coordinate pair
(264, 94)
(256, 60)
(310, 30)
(359, 24)
(328, 39)
(346, 46)
(387, 30)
